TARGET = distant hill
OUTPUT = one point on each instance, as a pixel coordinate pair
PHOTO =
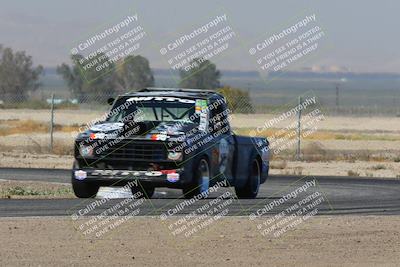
(356, 89)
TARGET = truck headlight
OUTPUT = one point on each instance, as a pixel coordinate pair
(173, 155)
(86, 151)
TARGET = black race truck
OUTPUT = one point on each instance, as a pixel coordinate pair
(176, 138)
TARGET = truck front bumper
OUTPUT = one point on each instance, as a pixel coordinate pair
(167, 178)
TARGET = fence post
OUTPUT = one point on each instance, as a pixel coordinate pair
(298, 151)
(52, 122)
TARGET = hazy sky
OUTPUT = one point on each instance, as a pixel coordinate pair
(361, 36)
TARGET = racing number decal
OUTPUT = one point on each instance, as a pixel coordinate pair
(223, 155)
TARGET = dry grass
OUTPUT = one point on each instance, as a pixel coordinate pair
(60, 147)
(63, 149)
(314, 151)
(28, 128)
(26, 189)
(352, 173)
(378, 167)
(317, 135)
(31, 126)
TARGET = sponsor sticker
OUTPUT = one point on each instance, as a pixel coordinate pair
(160, 137)
(97, 136)
(158, 98)
(203, 125)
(201, 105)
(125, 173)
(80, 175)
(107, 127)
(173, 177)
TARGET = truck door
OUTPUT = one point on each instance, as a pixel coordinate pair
(224, 142)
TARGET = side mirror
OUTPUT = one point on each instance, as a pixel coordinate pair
(110, 101)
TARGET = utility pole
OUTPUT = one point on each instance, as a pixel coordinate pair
(52, 122)
(337, 97)
(298, 151)
(249, 108)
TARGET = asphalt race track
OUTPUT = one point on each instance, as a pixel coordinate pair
(341, 196)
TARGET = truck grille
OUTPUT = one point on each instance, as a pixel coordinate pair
(132, 150)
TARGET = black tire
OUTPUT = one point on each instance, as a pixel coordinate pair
(201, 179)
(147, 191)
(83, 189)
(250, 189)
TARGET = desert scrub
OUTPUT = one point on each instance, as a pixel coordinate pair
(352, 173)
(16, 189)
(378, 167)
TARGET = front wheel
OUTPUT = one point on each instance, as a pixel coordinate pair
(201, 180)
(250, 189)
(83, 189)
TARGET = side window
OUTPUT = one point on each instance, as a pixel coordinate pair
(220, 118)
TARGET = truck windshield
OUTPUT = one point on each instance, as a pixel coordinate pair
(153, 109)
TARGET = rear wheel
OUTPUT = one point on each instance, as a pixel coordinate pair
(83, 189)
(250, 189)
(143, 191)
(201, 179)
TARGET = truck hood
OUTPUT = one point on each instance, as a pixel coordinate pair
(140, 130)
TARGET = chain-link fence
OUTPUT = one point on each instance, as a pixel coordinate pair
(40, 124)
(260, 103)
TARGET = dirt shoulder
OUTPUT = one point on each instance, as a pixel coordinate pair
(144, 241)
